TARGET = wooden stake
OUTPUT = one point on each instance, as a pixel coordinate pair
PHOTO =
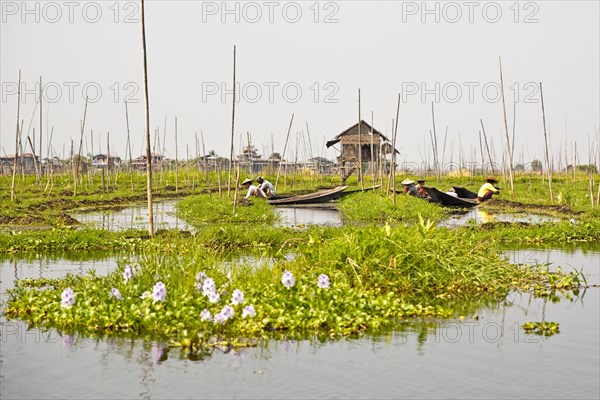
(546, 145)
(147, 112)
(394, 152)
(13, 196)
(508, 148)
(284, 149)
(232, 128)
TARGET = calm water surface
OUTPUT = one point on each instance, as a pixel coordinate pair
(490, 357)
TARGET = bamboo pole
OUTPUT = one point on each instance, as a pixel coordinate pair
(360, 177)
(176, 160)
(128, 149)
(510, 160)
(13, 196)
(40, 127)
(373, 169)
(393, 173)
(147, 113)
(434, 144)
(284, 149)
(487, 147)
(232, 129)
(546, 145)
(76, 181)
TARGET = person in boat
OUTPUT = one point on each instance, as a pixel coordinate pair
(266, 186)
(421, 189)
(487, 190)
(410, 188)
(253, 191)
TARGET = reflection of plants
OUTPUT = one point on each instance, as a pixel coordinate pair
(545, 328)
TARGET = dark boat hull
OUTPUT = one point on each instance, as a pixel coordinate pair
(464, 193)
(311, 198)
(447, 200)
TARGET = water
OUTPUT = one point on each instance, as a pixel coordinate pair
(488, 357)
(480, 216)
(135, 217)
(165, 217)
(315, 214)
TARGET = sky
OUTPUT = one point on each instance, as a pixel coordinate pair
(307, 59)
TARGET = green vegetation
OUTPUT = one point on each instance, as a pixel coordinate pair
(389, 263)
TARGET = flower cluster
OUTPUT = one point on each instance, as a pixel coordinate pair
(114, 292)
(159, 292)
(207, 286)
(128, 273)
(67, 298)
(287, 279)
(323, 281)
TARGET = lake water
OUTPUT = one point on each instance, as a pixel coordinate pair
(165, 217)
(488, 357)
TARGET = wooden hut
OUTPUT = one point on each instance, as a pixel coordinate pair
(374, 147)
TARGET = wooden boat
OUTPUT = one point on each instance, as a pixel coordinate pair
(347, 192)
(447, 200)
(311, 198)
(464, 193)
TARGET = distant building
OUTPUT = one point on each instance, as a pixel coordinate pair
(140, 162)
(25, 162)
(374, 147)
(104, 160)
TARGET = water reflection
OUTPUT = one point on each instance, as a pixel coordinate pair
(479, 216)
(135, 217)
(486, 354)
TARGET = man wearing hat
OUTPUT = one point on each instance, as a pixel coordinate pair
(487, 190)
(410, 188)
(266, 186)
(252, 190)
(421, 189)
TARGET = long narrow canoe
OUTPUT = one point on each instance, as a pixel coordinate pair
(447, 200)
(311, 198)
(347, 192)
(464, 192)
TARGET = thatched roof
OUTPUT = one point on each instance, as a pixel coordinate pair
(365, 129)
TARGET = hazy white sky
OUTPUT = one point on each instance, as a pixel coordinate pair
(308, 58)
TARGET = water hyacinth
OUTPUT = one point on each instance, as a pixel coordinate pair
(114, 292)
(288, 279)
(146, 295)
(200, 278)
(67, 298)
(128, 273)
(209, 287)
(323, 281)
(248, 311)
(214, 297)
(159, 292)
(237, 297)
(226, 313)
(205, 315)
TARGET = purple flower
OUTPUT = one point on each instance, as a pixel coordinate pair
(288, 279)
(200, 278)
(208, 287)
(214, 297)
(114, 292)
(67, 298)
(159, 292)
(237, 297)
(323, 281)
(128, 273)
(227, 312)
(219, 319)
(248, 311)
(205, 315)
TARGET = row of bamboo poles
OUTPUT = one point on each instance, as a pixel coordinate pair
(233, 171)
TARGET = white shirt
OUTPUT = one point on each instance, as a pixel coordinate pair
(267, 187)
(251, 191)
